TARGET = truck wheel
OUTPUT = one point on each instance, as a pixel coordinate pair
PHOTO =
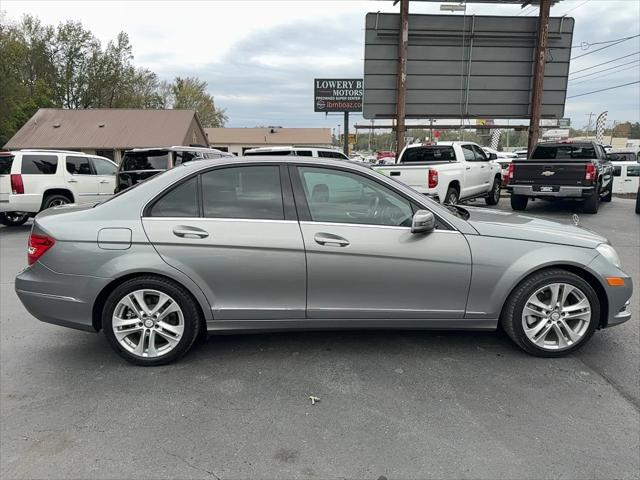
(638, 202)
(592, 203)
(13, 219)
(494, 194)
(519, 202)
(607, 197)
(451, 197)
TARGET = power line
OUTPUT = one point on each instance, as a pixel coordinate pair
(604, 70)
(604, 63)
(577, 6)
(606, 74)
(586, 45)
(607, 46)
(604, 89)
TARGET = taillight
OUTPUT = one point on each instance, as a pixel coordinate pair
(16, 183)
(510, 173)
(590, 172)
(432, 178)
(38, 245)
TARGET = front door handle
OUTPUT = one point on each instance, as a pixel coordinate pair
(468, 168)
(72, 180)
(104, 181)
(330, 240)
(186, 231)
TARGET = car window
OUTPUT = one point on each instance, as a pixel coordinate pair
(251, 192)
(469, 154)
(559, 152)
(103, 167)
(344, 197)
(428, 153)
(480, 154)
(79, 166)
(304, 153)
(617, 170)
(633, 170)
(5, 164)
(183, 157)
(180, 201)
(39, 164)
(270, 153)
(323, 154)
(623, 157)
(151, 160)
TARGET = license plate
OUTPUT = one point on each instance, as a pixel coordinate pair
(546, 189)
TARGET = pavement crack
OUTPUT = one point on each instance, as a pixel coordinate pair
(194, 466)
(635, 403)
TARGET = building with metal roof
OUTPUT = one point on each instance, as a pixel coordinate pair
(238, 140)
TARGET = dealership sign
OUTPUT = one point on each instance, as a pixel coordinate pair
(337, 95)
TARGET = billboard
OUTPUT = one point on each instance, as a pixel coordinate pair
(464, 66)
(337, 95)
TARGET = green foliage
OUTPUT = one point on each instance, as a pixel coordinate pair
(67, 67)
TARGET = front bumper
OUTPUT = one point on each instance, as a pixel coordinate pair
(563, 192)
(57, 298)
(618, 297)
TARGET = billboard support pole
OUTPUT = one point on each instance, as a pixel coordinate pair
(345, 146)
(401, 100)
(538, 73)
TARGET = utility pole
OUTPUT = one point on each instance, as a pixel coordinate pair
(345, 144)
(538, 73)
(401, 90)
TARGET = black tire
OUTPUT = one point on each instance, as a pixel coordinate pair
(592, 203)
(519, 202)
(13, 219)
(54, 200)
(638, 202)
(608, 196)
(494, 194)
(193, 322)
(452, 197)
(511, 317)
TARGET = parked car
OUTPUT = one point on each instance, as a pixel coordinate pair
(140, 164)
(290, 243)
(626, 177)
(318, 152)
(34, 180)
(448, 171)
(574, 170)
(521, 153)
(499, 155)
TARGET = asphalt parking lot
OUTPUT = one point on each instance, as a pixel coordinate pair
(393, 404)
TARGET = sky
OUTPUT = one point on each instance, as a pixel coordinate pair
(260, 57)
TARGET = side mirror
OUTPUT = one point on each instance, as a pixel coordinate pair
(493, 156)
(423, 222)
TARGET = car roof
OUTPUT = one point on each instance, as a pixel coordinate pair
(289, 148)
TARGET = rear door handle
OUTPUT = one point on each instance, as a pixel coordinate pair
(72, 180)
(468, 168)
(186, 231)
(394, 174)
(104, 181)
(330, 240)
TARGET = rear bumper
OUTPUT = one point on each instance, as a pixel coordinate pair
(27, 203)
(52, 297)
(564, 192)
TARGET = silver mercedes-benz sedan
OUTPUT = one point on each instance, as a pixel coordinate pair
(284, 243)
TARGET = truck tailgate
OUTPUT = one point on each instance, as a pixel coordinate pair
(414, 176)
(530, 172)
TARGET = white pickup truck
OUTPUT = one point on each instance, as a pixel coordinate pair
(448, 171)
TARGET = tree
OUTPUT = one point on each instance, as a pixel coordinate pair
(192, 93)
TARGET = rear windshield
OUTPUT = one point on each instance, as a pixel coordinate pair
(154, 160)
(563, 152)
(5, 164)
(623, 157)
(39, 164)
(428, 154)
(270, 153)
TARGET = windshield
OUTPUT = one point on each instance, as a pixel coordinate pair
(151, 160)
(428, 154)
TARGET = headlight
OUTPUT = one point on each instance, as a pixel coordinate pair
(608, 252)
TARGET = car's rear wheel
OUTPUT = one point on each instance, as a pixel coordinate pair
(551, 313)
(150, 320)
(519, 202)
(13, 219)
(55, 200)
(494, 195)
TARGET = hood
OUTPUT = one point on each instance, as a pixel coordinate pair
(497, 223)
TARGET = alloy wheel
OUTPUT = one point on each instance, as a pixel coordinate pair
(148, 323)
(556, 316)
(57, 202)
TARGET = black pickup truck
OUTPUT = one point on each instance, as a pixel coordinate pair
(578, 170)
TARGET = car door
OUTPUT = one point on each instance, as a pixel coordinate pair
(472, 173)
(106, 174)
(485, 174)
(362, 259)
(82, 179)
(234, 231)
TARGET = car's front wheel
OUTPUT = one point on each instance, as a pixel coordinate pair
(551, 313)
(150, 320)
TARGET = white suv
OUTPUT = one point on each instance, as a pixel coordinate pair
(298, 151)
(33, 180)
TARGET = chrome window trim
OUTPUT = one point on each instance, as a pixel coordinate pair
(220, 219)
(368, 225)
